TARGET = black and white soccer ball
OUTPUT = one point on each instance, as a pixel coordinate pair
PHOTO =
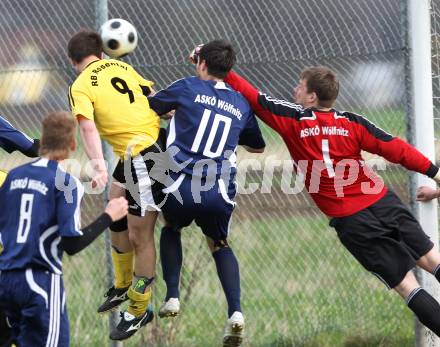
(119, 37)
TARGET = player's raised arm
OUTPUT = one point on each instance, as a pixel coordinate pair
(377, 141)
(265, 107)
(12, 140)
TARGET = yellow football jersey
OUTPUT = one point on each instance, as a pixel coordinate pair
(113, 95)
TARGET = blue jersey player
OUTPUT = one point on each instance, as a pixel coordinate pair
(12, 140)
(210, 121)
(42, 222)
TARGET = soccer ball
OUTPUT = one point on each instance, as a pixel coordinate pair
(119, 37)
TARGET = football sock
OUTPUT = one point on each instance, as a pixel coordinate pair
(426, 308)
(229, 275)
(138, 301)
(171, 259)
(436, 272)
(123, 268)
(140, 283)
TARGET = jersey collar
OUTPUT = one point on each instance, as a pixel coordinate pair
(221, 85)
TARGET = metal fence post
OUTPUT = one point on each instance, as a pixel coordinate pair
(419, 42)
(101, 15)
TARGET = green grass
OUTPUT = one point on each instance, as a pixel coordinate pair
(299, 288)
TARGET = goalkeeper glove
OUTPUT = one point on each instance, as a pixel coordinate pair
(194, 55)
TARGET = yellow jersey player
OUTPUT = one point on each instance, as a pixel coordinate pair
(109, 99)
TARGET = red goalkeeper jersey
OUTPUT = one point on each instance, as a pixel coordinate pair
(326, 150)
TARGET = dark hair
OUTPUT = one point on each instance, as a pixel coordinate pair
(323, 82)
(58, 132)
(83, 44)
(219, 56)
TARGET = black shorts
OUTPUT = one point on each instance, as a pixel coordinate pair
(143, 191)
(385, 238)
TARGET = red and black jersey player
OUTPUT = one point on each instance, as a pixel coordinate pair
(370, 220)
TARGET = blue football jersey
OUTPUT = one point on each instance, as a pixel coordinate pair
(40, 203)
(11, 139)
(211, 119)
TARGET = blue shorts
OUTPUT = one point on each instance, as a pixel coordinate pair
(34, 302)
(209, 204)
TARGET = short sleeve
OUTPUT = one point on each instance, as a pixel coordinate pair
(68, 207)
(81, 101)
(167, 99)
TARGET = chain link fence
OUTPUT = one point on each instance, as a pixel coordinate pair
(435, 47)
(300, 287)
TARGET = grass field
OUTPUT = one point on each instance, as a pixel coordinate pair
(299, 288)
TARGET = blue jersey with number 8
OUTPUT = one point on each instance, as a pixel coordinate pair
(211, 120)
(40, 204)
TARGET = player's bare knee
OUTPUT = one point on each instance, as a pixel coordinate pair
(430, 261)
(140, 237)
(407, 285)
(135, 240)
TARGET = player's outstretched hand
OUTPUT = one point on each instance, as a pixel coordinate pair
(117, 208)
(425, 193)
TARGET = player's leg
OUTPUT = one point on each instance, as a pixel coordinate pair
(10, 326)
(171, 258)
(411, 233)
(215, 224)
(424, 306)
(45, 323)
(143, 195)
(431, 262)
(39, 297)
(373, 237)
(139, 311)
(178, 213)
(122, 251)
(419, 245)
(228, 272)
(141, 234)
(229, 275)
